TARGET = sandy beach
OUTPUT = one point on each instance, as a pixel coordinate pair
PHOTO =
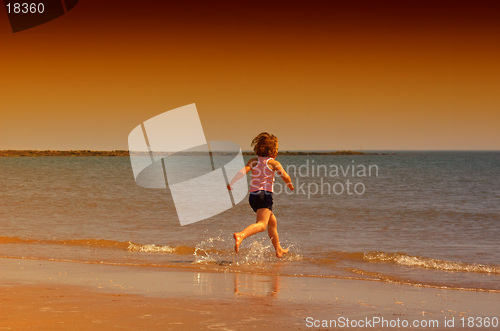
(124, 123)
(59, 295)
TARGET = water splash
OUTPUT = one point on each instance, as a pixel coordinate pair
(212, 250)
(257, 254)
(254, 252)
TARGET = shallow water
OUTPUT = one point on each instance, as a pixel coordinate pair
(417, 218)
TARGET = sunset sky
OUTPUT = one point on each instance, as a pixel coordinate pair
(321, 75)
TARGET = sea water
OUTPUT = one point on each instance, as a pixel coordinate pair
(417, 218)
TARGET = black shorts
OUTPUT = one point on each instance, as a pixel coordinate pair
(261, 199)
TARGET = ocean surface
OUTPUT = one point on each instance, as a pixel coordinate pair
(427, 219)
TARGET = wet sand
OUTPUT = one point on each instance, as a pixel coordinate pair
(65, 307)
(62, 295)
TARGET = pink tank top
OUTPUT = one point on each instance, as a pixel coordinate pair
(262, 176)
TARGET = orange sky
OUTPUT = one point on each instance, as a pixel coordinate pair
(320, 75)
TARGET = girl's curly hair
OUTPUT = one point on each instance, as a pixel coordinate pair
(265, 144)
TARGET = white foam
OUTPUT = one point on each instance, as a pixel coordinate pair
(430, 263)
(150, 248)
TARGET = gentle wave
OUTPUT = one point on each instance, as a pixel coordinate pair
(374, 276)
(104, 243)
(215, 251)
(332, 258)
(430, 263)
(202, 251)
(152, 248)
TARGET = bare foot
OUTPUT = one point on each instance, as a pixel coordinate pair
(280, 252)
(238, 238)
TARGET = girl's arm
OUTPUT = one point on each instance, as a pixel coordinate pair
(276, 166)
(242, 173)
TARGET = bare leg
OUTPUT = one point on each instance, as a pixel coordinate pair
(272, 230)
(260, 225)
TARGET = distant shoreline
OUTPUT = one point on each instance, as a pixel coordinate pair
(39, 153)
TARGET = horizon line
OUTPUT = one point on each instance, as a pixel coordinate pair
(283, 151)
